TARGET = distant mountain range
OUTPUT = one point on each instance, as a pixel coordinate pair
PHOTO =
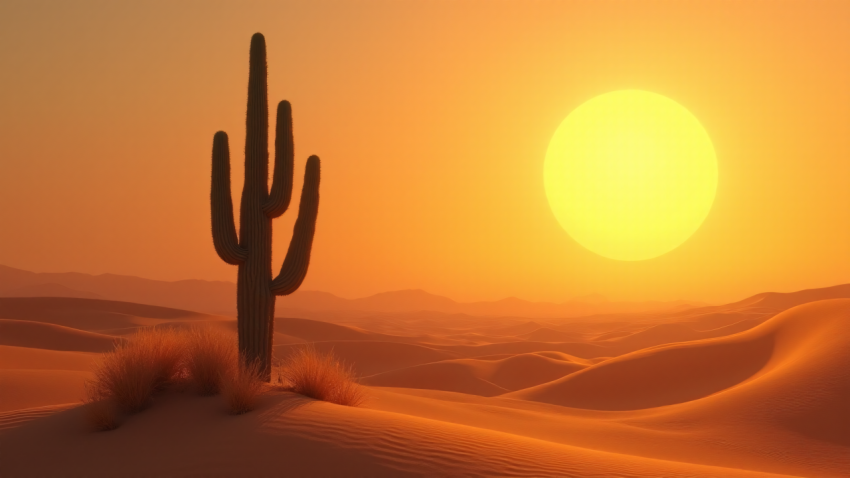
(198, 295)
(219, 297)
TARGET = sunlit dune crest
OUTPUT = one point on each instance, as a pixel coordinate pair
(743, 389)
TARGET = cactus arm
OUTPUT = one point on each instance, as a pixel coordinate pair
(294, 268)
(284, 153)
(223, 227)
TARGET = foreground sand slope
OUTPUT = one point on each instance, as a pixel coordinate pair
(769, 398)
(779, 392)
(293, 436)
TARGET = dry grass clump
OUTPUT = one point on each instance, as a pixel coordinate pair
(320, 376)
(129, 375)
(211, 356)
(126, 378)
(101, 412)
(242, 387)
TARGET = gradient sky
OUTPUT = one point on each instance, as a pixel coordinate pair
(432, 119)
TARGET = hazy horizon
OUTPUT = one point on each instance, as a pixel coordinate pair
(432, 121)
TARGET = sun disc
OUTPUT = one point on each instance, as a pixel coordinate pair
(630, 175)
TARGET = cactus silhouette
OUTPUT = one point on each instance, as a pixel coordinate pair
(252, 252)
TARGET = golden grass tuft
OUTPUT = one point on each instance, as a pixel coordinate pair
(242, 387)
(129, 375)
(211, 356)
(320, 376)
(101, 412)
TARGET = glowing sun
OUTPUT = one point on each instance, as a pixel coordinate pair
(630, 175)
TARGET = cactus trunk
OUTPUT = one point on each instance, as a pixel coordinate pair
(256, 290)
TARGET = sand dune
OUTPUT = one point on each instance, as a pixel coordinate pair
(313, 330)
(661, 433)
(669, 333)
(578, 349)
(35, 388)
(726, 391)
(514, 330)
(22, 358)
(25, 333)
(804, 387)
(784, 301)
(482, 377)
(464, 376)
(369, 358)
(688, 371)
(546, 334)
(300, 437)
(91, 314)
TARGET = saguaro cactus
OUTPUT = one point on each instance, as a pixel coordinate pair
(256, 290)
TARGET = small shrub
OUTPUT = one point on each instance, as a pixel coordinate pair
(320, 376)
(101, 412)
(210, 357)
(166, 349)
(130, 374)
(242, 387)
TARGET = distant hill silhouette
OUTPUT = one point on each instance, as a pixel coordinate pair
(51, 290)
(199, 295)
(219, 297)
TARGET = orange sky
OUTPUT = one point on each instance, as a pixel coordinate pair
(432, 120)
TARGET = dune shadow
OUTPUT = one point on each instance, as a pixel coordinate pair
(280, 402)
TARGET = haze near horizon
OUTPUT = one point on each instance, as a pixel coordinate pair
(432, 134)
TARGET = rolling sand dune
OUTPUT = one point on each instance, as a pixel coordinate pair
(784, 301)
(314, 330)
(486, 378)
(514, 330)
(579, 349)
(26, 333)
(369, 358)
(668, 333)
(41, 359)
(728, 391)
(36, 388)
(546, 334)
(716, 320)
(91, 314)
(682, 372)
(804, 386)
(463, 376)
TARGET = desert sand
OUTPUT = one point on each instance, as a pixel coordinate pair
(759, 387)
